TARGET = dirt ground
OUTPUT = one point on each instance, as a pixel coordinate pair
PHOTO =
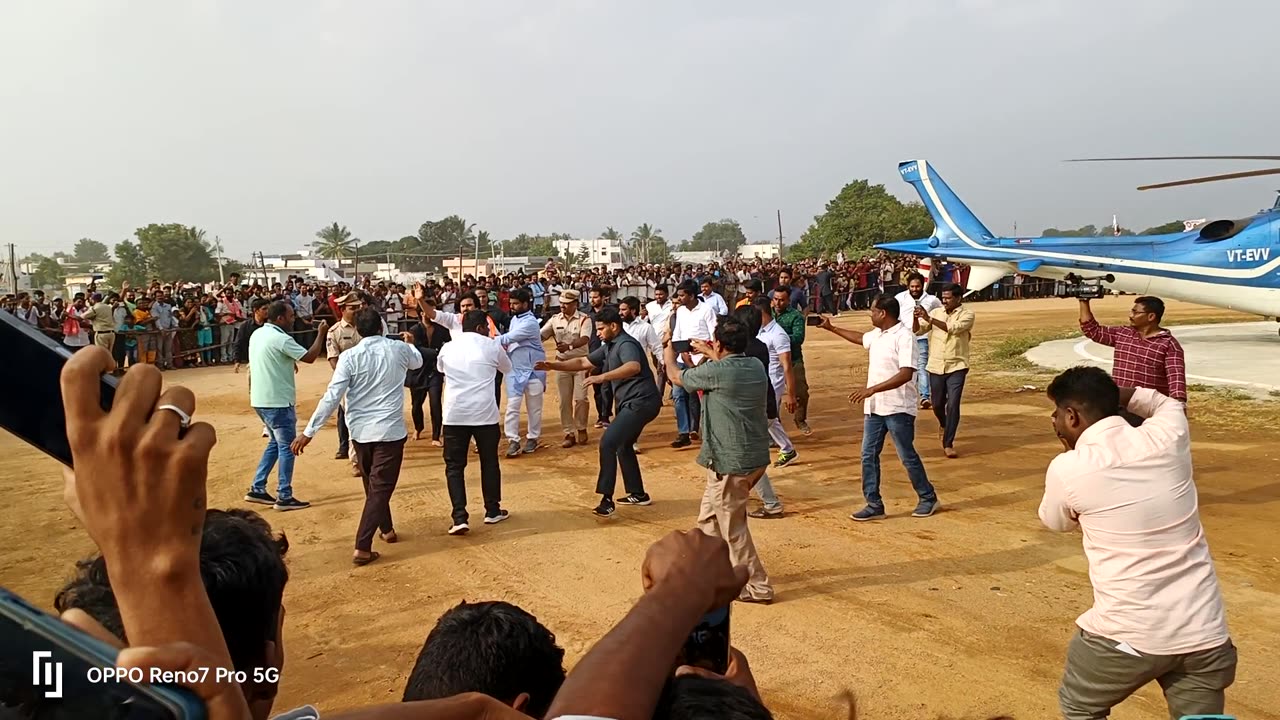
(966, 614)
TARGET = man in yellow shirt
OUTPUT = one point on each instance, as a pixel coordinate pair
(950, 328)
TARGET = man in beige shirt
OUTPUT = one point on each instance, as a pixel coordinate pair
(1157, 607)
(572, 331)
(341, 337)
(950, 328)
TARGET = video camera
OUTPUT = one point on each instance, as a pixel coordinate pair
(1083, 288)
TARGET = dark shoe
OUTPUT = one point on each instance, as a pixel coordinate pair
(926, 508)
(605, 509)
(785, 458)
(582, 437)
(530, 446)
(693, 435)
(261, 498)
(869, 512)
(513, 449)
(569, 442)
(764, 514)
(495, 519)
(804, 428)
(634, 499)
(601, 424)
(362, 561)
(681, 441)
(925, 404)
(460, 529)
(339, 455)
(755, 600)
(291, 504)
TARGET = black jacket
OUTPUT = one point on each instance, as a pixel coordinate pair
(427, 375)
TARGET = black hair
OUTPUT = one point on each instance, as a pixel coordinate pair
(783, 289)
(608, 315)
(258, 303)
(954, 289)
(662, 288)
(242, 566)
(368, 322)
(692, 697)
(277, 310)
(689, 287)
(475, 321)
(1153, 305)
(707, 280)
(524, 295)
(493, 648)
(887, 303)
(756, 285)
(1090, 390)
(915, 276)
(632, 302)
(733, 333)
(763, 304)
(747, 315)
(468, 295)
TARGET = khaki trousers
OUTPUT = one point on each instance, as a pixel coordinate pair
(724, 515)
(1099, 676)
(105, 340)
(573, 401)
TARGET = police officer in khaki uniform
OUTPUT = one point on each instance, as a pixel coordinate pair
(343, 336)
(572, 331)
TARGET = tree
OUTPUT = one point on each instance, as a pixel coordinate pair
(1088, 231)
(484, 243)
(175, 252)
(130, 265)
(1173, 226)
(335, 242)
(90, 251)
(861, 216)
(47, 272)
(611, 234)
(644, 240)
(724, 236)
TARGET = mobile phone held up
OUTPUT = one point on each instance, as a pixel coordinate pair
(31, 408)
(813, 320)
(50, 671)
(707, 647)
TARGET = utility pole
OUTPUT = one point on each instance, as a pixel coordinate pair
(217, 245)
(779, 234)
(13, 271)
(356, 270)
(262, 260)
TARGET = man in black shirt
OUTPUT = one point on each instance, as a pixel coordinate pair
(257, 320)
(602, 394)
(620, 362)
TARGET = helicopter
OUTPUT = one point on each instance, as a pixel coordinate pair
(1225, 263)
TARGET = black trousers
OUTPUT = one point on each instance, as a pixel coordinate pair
(617, 448)
(344, 435)
(497, 389)
(418, 396)
(604, 401)
(457, 445)
(946, 390)
(379, 464)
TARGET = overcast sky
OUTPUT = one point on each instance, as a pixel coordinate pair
(263, 121)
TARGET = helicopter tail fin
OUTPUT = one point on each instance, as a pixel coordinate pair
(954, 223)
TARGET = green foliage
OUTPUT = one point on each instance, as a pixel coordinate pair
(647, 244)
(861, 216)
(46, 273)
(130, 265)
(335, 242)
(1088, 231)
(1173, 226)
(611, 234)
(90, 251)
(176, 252)
(724, 236)
(528, 245)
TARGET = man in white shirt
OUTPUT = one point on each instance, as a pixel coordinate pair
(908, 300)
(640, 329)
(658, 312)
(1157, 607)
(713, 298)
(371, 378)
(470, 363)
(778, 343)
(889, 406)
(693, 319)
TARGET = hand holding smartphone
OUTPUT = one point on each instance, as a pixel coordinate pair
(707, 647)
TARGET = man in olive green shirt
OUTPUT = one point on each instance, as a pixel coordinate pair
(950, 328)
(735, 441)
(792, 321)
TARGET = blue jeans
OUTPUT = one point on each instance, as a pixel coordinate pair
(902, 427)
(688, 407)
(922, 359)
(282, 424)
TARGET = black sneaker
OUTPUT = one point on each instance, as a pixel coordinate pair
(785, 458)
(605, 509)
(261, 498)
(681, 441)
(291, 504)
(495, 519)
(634, 499)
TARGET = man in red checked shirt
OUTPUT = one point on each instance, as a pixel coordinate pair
(1146, 355)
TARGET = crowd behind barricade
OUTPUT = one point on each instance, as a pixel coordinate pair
(178, 324)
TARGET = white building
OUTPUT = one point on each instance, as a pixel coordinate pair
(600, 251)
(695, 257)
(764, 251)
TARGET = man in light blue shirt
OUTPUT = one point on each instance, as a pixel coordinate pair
(273, 358)
(523, 343)
(371, 376)
(167, 324)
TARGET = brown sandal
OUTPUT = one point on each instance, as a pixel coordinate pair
(389, 537)
(362, 561)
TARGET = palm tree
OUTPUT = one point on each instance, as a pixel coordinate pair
(335, 242)
(645, 236)
(611, 234)
(195, 234)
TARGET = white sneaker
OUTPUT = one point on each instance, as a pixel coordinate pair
(495, 519)
(265, 433)
(460, 529)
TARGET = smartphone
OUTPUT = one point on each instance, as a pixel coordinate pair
(707, 646)
(394, 336)
(32, 409)
(50, 670)
(813, 320)
(681, 346)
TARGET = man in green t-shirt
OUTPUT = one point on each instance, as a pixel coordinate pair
(735, 441)
(793, 322)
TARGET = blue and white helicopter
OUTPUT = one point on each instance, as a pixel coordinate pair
(1232, 264)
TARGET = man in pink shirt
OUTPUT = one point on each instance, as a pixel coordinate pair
(1157, 609)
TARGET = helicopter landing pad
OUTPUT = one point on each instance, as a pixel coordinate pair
(1244, 356)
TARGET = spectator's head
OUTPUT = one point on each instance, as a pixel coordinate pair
(1082, 396)
(915, 284)
(475, 321)
(707, 285)
(687, 294)
(521, 299)
(467, 303)
(258, 306)
(493, 648)
(629, 308)
(660, 293)
(1146, 313)
(951, 295)
(763, 306)
(242, 566)
(693, 697)
(368, 322)
(753, 288)
(785, 276)
(482, 298)
(733, 334)
(781, 297)
(596, 299)
(608, 324)
(280, 314)
(884, 311)
(749, 316)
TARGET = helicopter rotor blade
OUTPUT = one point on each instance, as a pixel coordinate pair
(1212, 178)
(1180, 157)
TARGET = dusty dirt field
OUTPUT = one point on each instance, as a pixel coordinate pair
(964, 614)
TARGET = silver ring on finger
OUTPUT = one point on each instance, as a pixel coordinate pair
(183, 418)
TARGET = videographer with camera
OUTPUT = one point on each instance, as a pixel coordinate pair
(1146, 355)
